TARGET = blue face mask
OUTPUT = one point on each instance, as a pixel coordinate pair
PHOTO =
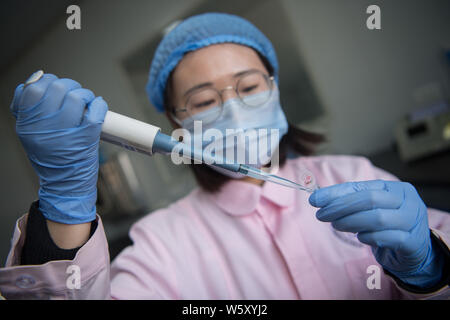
(242, 134)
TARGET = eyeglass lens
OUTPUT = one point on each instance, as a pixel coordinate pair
(253, 89)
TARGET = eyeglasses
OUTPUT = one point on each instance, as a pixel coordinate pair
(253, 88)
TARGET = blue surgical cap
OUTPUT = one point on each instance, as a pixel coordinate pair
(195, 33)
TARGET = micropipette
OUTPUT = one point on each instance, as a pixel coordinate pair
(145, 138)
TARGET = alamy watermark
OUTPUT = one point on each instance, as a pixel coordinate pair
(73, 21)
(373, 22)
(374, 280)
(73, 281)
(251, 146)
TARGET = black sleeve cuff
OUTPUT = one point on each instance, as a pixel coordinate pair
(39, 247)
(445, 281)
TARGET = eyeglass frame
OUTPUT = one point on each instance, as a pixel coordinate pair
(270, 80)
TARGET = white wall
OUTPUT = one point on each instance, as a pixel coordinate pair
(365, 79)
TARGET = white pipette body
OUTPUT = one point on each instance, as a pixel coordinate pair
(129, 133)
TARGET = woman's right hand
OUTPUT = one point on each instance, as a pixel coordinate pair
(59, 124)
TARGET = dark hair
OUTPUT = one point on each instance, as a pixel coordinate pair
(296, 140)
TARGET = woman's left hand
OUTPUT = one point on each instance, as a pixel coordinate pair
(389, 216)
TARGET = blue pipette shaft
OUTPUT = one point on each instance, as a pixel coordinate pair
(167, 145)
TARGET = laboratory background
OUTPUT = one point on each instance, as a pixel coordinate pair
(379, 93)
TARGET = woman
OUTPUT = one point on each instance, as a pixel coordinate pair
(233, 237)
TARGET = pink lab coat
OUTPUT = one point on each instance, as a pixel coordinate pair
(245, 242)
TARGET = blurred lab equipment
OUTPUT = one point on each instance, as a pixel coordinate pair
(424, 133)
(426, 130)
(119, 190)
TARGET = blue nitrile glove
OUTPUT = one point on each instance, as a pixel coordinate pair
(59, 124)
(389, 216)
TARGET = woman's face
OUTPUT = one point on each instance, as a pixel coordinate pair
(216, 66)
